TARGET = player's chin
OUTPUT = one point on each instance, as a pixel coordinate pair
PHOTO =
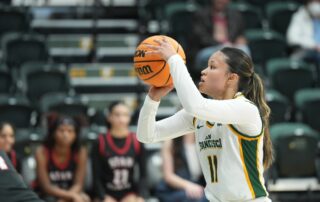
(201, 87)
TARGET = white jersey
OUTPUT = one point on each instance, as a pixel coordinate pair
(231, 162)
(228, 134)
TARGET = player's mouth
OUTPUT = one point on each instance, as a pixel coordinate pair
(202, 80)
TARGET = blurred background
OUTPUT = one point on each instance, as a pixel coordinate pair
(75, 57)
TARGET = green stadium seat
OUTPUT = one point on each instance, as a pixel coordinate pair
(13, 20)
(279, 105)
(35, 75)
(21, 48)
(175, 14)
(265, 45)
(295, 150)
(308, 103)
(279, 15)
(252, 15)
(65, 104)
(16, 110)
(6, 82)
(288, 76)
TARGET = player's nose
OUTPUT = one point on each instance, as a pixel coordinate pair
(204, 72)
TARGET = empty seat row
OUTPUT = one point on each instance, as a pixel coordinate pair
(305, 108)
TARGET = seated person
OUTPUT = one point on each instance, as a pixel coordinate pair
(218, 25)
(304, 31)
(7, 140)
(114, 156)
(183, 180)
(61, 162)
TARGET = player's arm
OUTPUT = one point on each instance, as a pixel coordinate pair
(80, 171)
(43, 177)
(149, 130)
(232, 111)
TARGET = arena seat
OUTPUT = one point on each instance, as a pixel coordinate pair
(64, 104)
(17, 110)
(6, 82)
(178, 12)
(265, 45)
(39, 79)
(252, 15)
(21, 48)
(279, 15)
(287, 76)
(295, 149)
(279, 105)
(13, 20)
(308, 103)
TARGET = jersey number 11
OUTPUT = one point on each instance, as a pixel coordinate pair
(213, 164)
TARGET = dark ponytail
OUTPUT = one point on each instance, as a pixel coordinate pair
(252, 87)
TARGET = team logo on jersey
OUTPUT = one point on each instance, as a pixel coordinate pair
(210, 143)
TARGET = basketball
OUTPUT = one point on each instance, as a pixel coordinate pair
(152, 69)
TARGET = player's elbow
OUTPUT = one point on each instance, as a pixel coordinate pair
(191, 109)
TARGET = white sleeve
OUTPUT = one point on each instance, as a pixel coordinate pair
(149, 131)
(232, 111)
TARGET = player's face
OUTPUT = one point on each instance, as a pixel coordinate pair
(7, 138)
(119, 118)
(65, 135)
(214, 78)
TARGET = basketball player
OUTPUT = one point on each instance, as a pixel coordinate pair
(12, 187)
(114, 158)
(7, 140)
(231, 129)
(61, 162)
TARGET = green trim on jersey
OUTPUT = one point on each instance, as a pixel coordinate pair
(194, 121)
(244, 135)
(209, 125)
(250, 155)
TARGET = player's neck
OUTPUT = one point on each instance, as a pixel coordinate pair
(229, 94)
(119, 132)
(61, 151)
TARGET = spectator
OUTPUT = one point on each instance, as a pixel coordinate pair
(114, 158)
(219, 25)
(182, 172)
(61, 162)
(7, 140)
(304, 31)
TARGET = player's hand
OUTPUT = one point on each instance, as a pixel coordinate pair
(164, 49)
(109, 199)
(194, 191)
(156, 93)
(76, 197)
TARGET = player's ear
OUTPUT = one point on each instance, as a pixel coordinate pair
(233, 77)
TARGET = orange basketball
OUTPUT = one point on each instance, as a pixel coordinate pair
(152, 69)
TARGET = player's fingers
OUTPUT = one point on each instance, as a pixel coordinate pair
(153, 47)
(164, 39)
(159, 42)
